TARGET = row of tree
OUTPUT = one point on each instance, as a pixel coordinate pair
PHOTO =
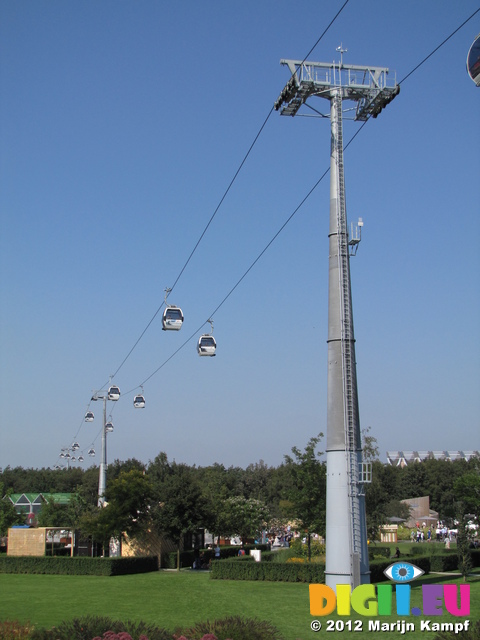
(175, 499)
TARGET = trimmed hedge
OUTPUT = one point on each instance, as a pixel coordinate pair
(78, 565)
(383, 552)
(270, 571)
(187, 557)
(232, 569)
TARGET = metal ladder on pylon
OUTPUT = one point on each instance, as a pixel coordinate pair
(348, 358)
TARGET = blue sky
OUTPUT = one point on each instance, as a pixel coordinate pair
(122, 125)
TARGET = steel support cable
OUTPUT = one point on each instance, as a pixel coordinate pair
(287, 221)
(302, 202)
(325, 31)
(236, 285)
(199, 240)
(439, 46)
(223, 198)
(214, 214)
(207, 226)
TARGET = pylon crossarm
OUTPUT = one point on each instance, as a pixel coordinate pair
(370, 87)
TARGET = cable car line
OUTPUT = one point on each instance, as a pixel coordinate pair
(439, 46)
(333, 20)
(274, 237)
(236, 285)
(222, 199)
(199, 240)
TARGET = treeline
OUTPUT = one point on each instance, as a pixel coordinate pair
(177, 498)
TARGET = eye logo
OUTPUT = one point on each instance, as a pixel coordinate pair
(403, 572)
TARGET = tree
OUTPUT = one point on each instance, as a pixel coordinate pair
(308, 490)
(382, 499)
(128, 498)
(463, 547)
(370, 449)
(178, 507)
(127, 510)
(53, 514)
(8, 516)
(467, 489)
(243, 516)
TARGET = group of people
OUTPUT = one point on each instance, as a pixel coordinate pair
(442, 533)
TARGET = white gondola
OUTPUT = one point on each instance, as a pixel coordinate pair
(80, 458)
(73, 458)
(206, 345)
(139, 401)
(91, 452)
(113, 393)
(172, 319)
(75, 446)
(62, 455)
(109, 427)
(89, 416)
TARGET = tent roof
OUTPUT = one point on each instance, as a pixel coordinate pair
(30, 498)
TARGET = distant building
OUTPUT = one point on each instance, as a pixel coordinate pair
(30, 504)
(403, 458)
(420, 512)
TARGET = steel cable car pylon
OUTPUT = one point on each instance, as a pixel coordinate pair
(346, 533)
(113, 394)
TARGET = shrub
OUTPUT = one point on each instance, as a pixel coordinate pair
(233, 628)
(14, 630)
(270, 571)
(403, 533)
(317, 549)
(78, 565)
(473, 633)
(444, 562)
(89, 627)
(381, 552)
(301, 560)
(169, 560)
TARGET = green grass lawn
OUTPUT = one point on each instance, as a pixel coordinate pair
(171, 599)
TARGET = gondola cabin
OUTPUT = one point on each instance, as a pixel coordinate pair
(91, 452)
(80, 458)
(172, 319)
(206, 345)
(113, 393)
(89, 416)
(75, 446)
(139, 402)
(109, 427)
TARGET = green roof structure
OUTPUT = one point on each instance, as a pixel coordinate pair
(32, 502)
